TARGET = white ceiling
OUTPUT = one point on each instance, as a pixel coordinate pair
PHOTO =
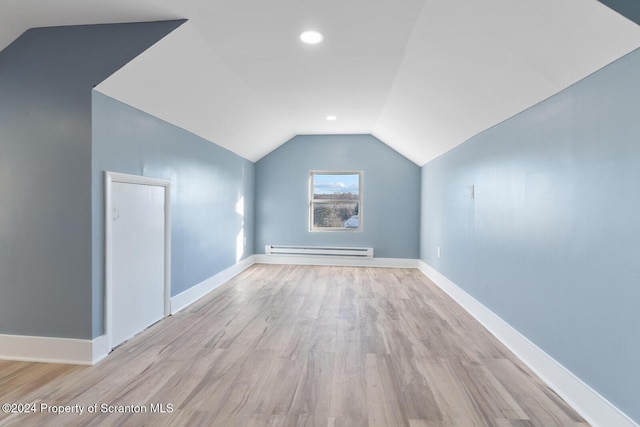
(421, 75)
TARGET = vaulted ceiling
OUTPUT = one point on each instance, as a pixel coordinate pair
(421, 75)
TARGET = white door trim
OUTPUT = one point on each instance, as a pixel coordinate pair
(111, 177)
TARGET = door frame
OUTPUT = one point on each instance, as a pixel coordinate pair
(109, 178)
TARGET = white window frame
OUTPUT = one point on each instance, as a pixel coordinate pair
(311, 201)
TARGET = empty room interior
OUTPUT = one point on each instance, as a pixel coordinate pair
(338, 213)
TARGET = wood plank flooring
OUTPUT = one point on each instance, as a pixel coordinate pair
(284, 345)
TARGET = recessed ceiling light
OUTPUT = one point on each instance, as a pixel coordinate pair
(332, 118)
(311, 37)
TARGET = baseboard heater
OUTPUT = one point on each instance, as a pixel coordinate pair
(321, 251)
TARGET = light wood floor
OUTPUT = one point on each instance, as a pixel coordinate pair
(302, 346)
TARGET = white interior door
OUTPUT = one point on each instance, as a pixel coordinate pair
(137, 258)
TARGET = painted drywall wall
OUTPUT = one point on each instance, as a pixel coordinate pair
(390, 195)
(627, 8)
(212, 193)
(46, 76)
(551, 241)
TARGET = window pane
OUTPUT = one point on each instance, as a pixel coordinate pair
(335, 200)
(346, 186)
(336, 214)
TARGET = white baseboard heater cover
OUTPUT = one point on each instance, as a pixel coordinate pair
(322, 251)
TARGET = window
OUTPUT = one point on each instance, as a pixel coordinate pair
(335, 201)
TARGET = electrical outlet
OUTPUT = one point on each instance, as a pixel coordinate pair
(439, 253)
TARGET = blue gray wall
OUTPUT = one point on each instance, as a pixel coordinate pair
(212, 193)
(46, 77)
(551, 241)
(390, 197)
(627, 8)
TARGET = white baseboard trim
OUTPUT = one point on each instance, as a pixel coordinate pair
(100, 349)
(196, 292)
(594, 408)
(597, 410)
(52, 350)
(336, 261)
(89, 352)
